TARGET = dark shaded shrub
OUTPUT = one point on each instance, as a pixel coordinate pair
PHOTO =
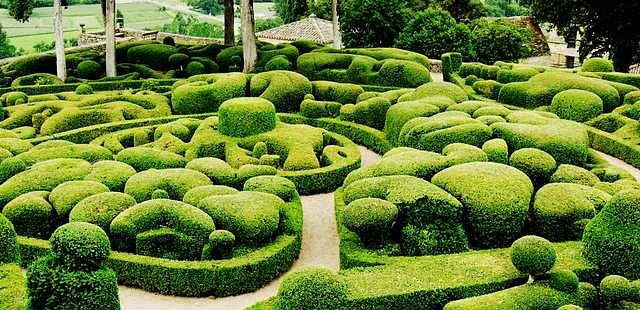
(89, 69)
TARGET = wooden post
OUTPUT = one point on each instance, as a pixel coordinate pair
(61, 66)
(110, 33)
(337, 36)
(229, 31)
(249, 50)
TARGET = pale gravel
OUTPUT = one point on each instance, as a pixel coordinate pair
(320, 247)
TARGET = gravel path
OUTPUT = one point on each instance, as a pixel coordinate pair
(319, 247)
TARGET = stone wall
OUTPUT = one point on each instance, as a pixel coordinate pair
(125, 34)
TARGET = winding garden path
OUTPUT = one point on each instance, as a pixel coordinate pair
(320, 247)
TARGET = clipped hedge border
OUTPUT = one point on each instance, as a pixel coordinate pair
(197, 278)
(434, 294)
(615, 146)
(97, 86)
(13, 287)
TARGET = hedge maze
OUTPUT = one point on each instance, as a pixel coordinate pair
(183, 176)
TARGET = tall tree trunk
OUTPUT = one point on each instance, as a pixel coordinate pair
(229, 31)
(61, 66)
(337, 37)
(110, 33)
(622, 56)
(249, 50)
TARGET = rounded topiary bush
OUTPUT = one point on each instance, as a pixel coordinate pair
(371, 219)
(194, 68)
(564, 280)
(31, 214)
(537, 164)
(242, 117)
(13, 98)
(80, 246)
(577, 105)
(89, 69)
(220, 245)
(312, 288)
(168, 41)
(84, 89)
(178, 60)
(279, 186)
(570, 307)
(533, 255)
(612, 238)
(597, 64)
(66, 195)
(574, 174)
(497, 151)
(101, 209)
(8, 243)
(615, 288)
(278, 63)
(194, 195)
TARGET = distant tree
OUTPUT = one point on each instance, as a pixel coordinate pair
(324, 8)
(211, 7)
(461, 10)
(268, 23)
(604, 26)
(372, 23)
(500, 40)
(291, 10)
(45, 47)
(6, 49)
(190, 25)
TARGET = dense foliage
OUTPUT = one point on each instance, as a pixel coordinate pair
(433, 32)
(500, 40)
(372, 23)
(291, 10)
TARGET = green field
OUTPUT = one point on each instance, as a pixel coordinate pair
(136, 15)
(40, 25)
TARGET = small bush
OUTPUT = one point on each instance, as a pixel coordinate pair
(285, 89)
(66, 195)
(576, 105)
(597, 64)
(537, 164)
(230, 212)
(242, 117)
(433, 32)
(616, 288)
(101, 209)
(574, 174)
(196, 194)
(168, 41)
(155, 56)
(506, 76)
(89, 69)
(205, 93)
(144, 158)
(370, 112)
(80, 246)
(36, 79)
(84, 89)
(399, 114)
(312, 288)
(371, 219)
(178, 60)
(431, 89)
(13, 98)
(612, 238)
(339, 92)
(8, 243)
(31, 214)
(533, 255)
(564, 280)
(220, 245)
(194, 68)
(279, 186)
(177, 182)
(278, 63)
(497, 151)
(500, 40)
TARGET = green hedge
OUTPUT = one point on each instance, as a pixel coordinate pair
(13, 289)
(242, 274)
(97, 86)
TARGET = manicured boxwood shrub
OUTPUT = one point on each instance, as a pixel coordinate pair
(339, 92)
(436, 132)
(370, 112)
(253, 217)
(317, 109)
(564, 280)
(560, 209)
(540, 89)
(537, 164)
(31, 214)
(84, 89)
(8, 245)
(523, 74)
(155, 56)
(100, 209)
(242, 117)
(597, 64)
(612, 237)
(533, 255)
(177, 182)
(399, 114)
(89, 69)
(276, 185)
(144, 158)
(205, 93)
(113, 174)
(36, 79)
(495, 199)
(488, 88)
(576, 105)
(574, 174)
(80, 246)
(285, 89)
(497, 151)
(220, 245)
(436, 89)
(191, 224)
(371, 219)
(616, 288)
(312, 288)
(66, 195)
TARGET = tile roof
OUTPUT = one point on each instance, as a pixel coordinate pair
(311, 28)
